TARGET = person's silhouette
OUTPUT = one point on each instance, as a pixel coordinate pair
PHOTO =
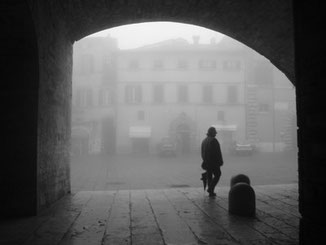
(212, 160)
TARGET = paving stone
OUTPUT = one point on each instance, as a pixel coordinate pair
(174, 229)
(118, 224)
(144, 226)
(235, 226)
(59, 220)
(89, 227)
(203, 227)
(163, 216)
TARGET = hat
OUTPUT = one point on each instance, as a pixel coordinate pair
(211, 131)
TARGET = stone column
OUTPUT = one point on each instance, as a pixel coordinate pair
(19, 110)
(54, 103)
(309, 17)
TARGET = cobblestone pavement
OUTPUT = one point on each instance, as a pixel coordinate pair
(137, 172)
(159, 216)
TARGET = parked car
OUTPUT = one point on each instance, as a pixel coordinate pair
(242, 149)
(167, 147)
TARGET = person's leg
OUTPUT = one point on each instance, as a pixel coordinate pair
(209, 179)
(217, 174)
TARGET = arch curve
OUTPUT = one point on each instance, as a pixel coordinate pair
(265, 26)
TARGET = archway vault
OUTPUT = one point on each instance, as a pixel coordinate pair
(265, 26)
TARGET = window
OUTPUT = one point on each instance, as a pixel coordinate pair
(105, 97)
(84, 97)
(232, 95)
(141, 115)
(182, 64)
(87, 64)
(133, 94)
(158, 64)
(263, 107)
(183, 94)
(133, 65)
(207, 94)
(106, 63)
(231, 65)
(207, 64)
(158, 93)
(221, 115)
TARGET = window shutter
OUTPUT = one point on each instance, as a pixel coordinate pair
(127, 94)
(138, 94)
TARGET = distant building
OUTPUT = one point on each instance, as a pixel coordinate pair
(178, 89)
(94, 90)
(271, 110)
(126, 101)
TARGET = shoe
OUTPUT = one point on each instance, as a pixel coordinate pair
(212, 194)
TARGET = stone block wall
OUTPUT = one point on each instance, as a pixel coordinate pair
(311, 106)
(19, 110)
(54, 115)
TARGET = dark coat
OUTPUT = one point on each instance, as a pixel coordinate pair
(211, 153)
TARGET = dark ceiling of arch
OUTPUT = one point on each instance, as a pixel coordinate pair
(264, 25)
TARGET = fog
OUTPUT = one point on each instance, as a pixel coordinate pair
(144, 96)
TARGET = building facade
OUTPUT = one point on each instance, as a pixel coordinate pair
(178, 89)
(270, 107)
(158, 97)
(94, 90)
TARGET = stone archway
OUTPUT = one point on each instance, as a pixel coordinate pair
(265, 26)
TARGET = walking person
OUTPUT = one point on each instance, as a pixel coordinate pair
(212, 160)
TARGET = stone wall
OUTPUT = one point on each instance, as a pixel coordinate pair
(265, 26)
(19, 109)
(311, 107)
(36, 60)
(54, 116)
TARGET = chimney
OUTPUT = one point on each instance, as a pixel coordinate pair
(196, 39)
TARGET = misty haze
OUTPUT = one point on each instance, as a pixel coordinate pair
(139, 115)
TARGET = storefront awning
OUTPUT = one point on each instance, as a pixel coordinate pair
(140, 132)
(230, 127)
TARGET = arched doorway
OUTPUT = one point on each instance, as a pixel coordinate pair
(130, 93)
(216, 17)
(183, 138)
(183, 130)
(266, 26)
(186, 108)
(59, 25)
